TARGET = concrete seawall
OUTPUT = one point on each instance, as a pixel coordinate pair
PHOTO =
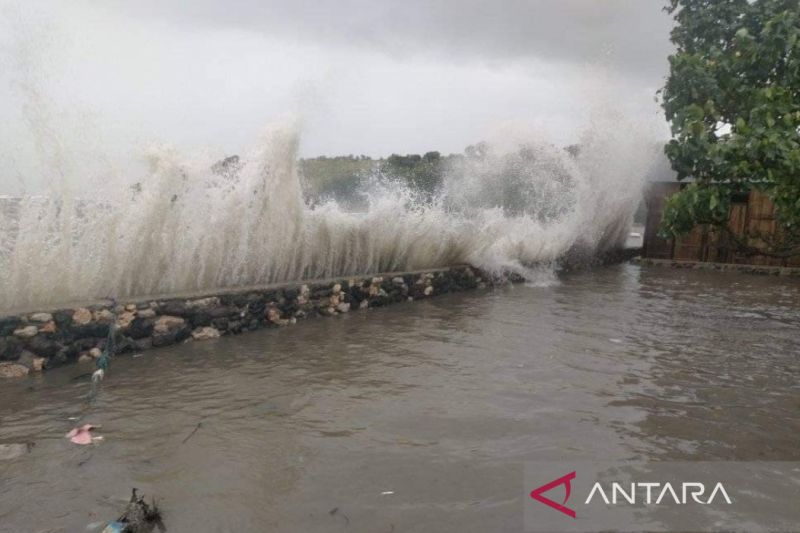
(37, 341)
(719, 267)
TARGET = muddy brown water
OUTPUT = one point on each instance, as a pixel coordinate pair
(416, 417)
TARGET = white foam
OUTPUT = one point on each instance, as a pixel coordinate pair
(190, 229)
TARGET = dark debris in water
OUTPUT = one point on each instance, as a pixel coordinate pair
(138, 517)
(190, 435)
(335, 511)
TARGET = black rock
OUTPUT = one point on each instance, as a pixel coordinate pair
(59, 359)
(255, 297)
(318, 292)
(225, 311)
(92, 329)
(463, 280)
(144, 344)
(86, 343)
(379, 301)
(257, 308)
(9, 324)
(174, 308)
(10, 348)
(357, 294)
(173, 336)
(442, 284)
(26, 358)
(200, 318)
(43, 346)
(141, 328)
(289, 308)
(275, 295)
(236, 299)
(63, 318)
(64, 355)
(126, 344)
(291, 293)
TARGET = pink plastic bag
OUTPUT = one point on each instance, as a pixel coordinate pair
(81, 435)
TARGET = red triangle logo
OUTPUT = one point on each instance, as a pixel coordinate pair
(537, 494)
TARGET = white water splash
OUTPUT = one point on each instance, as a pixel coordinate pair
(103, 229)
(187, 228)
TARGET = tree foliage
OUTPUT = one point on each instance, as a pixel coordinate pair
(422, 174)
(733, 101)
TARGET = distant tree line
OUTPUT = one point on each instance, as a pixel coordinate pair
(342, 177)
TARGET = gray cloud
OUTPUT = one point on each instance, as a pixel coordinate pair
(370, 77)
(631, 35)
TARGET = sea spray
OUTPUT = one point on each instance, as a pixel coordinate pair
(184, 227)
(102, 225)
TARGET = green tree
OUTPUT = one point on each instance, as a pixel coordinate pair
(733, 100)
(422, 174)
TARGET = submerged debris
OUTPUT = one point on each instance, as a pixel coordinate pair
(139, 517)
(14, 450)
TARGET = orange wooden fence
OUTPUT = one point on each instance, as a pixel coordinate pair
(753, 214)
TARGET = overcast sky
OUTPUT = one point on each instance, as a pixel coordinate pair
(366, 76)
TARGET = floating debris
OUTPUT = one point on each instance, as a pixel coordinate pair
(83, 435)
(190, 435)
(335, 511)
(14, 450)
(139, 517)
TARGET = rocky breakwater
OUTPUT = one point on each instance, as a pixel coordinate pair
(35, 342)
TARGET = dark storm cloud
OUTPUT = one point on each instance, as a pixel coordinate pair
(630, 35)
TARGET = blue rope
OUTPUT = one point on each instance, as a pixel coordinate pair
(104, 359)
(111, 345)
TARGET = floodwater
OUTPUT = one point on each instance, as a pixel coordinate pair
(416, 417)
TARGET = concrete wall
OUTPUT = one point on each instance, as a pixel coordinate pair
(720, 267)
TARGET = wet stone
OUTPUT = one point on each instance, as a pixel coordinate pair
(49, 327)
(146, 313)
(26, 332)
(40, 317)
(81, 316)
(13, 370)
(172, 336)
(166, 323)
(205, 333)
(55, 337)
(103, 315)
